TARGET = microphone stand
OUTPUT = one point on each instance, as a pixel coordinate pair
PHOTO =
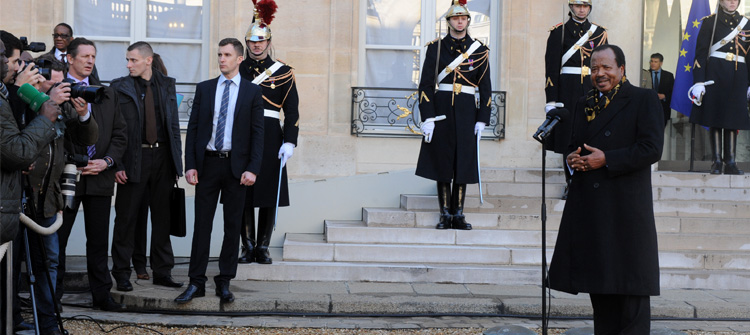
(545, 317)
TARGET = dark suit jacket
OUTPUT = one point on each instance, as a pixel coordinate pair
(247, 130)
(607, 238)
(666, 84)
(112, 142)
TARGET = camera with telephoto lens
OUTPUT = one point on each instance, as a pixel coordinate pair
(91, 93)
(44, 67)
(70, 175)
(33, 46)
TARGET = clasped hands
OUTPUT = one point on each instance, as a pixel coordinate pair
(592, 161)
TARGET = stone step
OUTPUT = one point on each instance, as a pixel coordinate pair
(702, 260)
(735, 209)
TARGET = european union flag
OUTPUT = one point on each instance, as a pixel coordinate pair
(684, 73)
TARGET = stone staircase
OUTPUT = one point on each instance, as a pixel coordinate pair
(703, 224)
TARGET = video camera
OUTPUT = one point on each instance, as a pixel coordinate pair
(33, 46)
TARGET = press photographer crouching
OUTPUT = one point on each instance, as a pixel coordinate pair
(75, 126)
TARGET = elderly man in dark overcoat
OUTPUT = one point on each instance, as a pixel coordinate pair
(607, 243)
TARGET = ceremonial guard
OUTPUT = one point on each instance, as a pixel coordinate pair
(720, 58)
(277, 81)
(455, 69)
(567, 62)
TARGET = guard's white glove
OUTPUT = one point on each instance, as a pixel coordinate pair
(428, 127)
(549, 106)
(698, 91)
(479, 127)
(285, 152)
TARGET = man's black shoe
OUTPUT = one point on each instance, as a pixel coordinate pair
(109, 305)
(23, 326)
(124, 285)
(192, 291)
(166, 281)
(247, 256)
(222, 291)
(262, 256)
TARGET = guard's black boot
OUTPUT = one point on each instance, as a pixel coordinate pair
(265, 229)
(247, 236)
(715, 141)
(444, 197)
(457, 200)
(730, 152)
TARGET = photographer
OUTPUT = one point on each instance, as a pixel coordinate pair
(18, 73)
(18, 149)
(96, 186)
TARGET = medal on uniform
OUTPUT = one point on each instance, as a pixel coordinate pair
(471, 65)
(273, 84)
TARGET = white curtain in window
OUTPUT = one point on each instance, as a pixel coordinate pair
(393, 22)
(392, 68)
(167, 19)
(183, 61)
(102, 18)
(110, 60)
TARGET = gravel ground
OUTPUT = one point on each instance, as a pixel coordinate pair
(89, 327)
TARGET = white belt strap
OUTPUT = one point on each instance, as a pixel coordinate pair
(271, 113)
(456, 62)
(729, 37)
(457, 87)
(578, 44)
(267, 73)
(728, 56)
(572, 70)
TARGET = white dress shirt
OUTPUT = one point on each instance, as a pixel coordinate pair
(234, 89)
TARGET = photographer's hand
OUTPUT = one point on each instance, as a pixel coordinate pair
(80, 105)
(60, 93)
(29, 75)
(50, 110)
(95, 166)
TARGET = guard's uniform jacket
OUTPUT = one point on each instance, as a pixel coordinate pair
(725, 102)
(452, 154)
(280, 96)
(568, 81)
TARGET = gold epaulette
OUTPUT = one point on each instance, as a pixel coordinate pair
(600, 26)
(433, 41)
(705, 17)
(283, 62)
(555, 26)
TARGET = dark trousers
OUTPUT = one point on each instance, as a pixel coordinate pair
(96, 211)
(621, 314)
(140, 241)
(157, 178)
(216, 178)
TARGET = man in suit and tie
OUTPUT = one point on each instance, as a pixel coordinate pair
(662, 82)
(62, 35)
(223, 152)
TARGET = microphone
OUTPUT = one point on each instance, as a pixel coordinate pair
(554, 117)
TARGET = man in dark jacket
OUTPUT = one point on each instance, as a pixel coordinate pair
(18, 148)
(607, 243)
(150, 168)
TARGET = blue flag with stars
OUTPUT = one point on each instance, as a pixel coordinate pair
(684, 74)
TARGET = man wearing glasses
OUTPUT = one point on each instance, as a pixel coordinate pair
(62, 35)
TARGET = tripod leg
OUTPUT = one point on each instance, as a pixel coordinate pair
(32, 280)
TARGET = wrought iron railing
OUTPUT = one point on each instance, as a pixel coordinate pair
(394, 112)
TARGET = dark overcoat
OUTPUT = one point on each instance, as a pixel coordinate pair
(607, 238)
(567, 88)
(725, 102)
(279, 95)
(452, 154)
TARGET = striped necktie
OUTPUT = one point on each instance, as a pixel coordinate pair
(222, 122)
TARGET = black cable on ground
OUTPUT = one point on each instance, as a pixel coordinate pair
(95, 321)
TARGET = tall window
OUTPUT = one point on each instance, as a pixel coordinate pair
(394, 33)
(176, 29)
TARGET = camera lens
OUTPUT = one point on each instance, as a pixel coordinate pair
(68, 184)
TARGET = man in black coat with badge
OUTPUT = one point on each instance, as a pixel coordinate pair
(607, 245)
(567, 61)
(451, 116)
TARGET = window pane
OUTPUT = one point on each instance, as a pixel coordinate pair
(175, 19)
(110, 60)
(183, 61)
(392, 68)
(102, 18)
(393, 22)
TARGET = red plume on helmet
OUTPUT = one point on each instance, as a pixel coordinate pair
(462, 2)
(267, 9)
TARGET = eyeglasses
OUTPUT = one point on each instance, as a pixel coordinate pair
(63, 36)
